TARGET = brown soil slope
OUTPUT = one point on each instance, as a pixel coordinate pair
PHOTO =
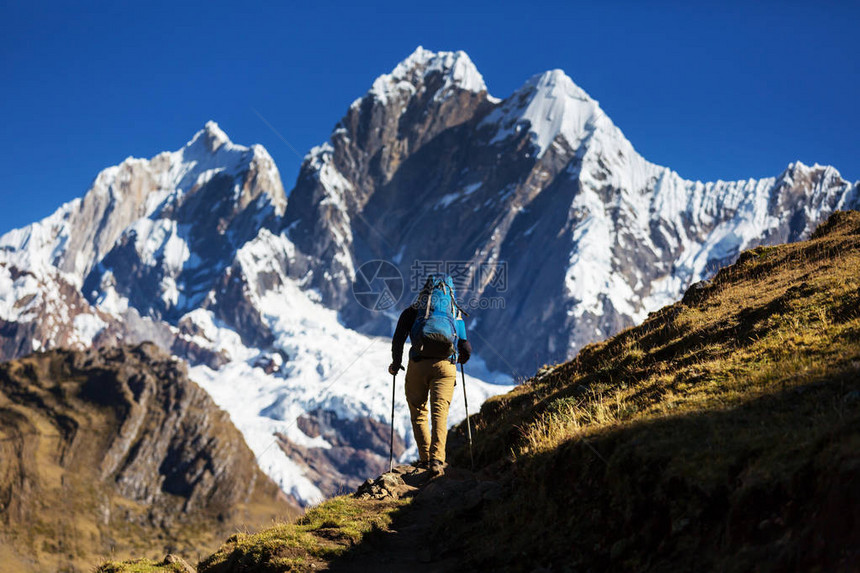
(116, 452)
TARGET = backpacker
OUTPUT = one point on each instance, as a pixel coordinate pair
(434, 333)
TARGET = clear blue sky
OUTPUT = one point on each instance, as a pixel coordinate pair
(729, 90)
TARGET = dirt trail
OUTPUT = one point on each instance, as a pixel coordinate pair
(412, 542)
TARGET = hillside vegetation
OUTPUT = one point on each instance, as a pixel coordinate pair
(722, 434)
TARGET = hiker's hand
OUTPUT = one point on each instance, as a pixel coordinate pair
(464, 351)
(463, 356)
(394, 368)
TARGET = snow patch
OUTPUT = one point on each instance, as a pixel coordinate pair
(327, 367)
(87, 327)
(551, 105)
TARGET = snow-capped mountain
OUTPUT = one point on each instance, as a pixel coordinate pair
(559, 231)
(427, 166)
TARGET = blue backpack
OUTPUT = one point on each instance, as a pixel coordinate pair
(434, 333)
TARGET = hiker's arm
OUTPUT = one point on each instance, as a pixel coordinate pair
(464, 347)
(404, 325)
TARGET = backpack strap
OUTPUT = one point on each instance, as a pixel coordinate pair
(427, 306)
(429, 287)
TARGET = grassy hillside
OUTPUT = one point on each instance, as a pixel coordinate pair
(318, 539)
(722, 434)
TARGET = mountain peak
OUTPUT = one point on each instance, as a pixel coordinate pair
(552, 105)
(457, 70)
(558, 83)
(212, 137)
(799, 166)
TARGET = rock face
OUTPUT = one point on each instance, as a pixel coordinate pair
(426, 95)
(359, 448)
(116, 451)
(557, 231)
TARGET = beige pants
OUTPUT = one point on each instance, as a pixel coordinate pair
(436, 378)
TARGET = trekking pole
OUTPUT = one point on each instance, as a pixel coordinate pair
(391, 443)
(468, 424)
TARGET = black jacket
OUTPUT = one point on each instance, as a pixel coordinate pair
(404, 327)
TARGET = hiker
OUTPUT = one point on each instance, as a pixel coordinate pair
(435, 325)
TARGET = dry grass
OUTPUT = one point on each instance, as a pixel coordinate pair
(324, 533)
(781, 318)
(139, 566)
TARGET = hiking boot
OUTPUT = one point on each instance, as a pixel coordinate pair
(421, 464)
(437, 468)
